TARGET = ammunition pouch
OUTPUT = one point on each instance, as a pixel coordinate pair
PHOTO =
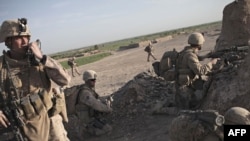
(59, 106)
(34, 104)
(46, 99)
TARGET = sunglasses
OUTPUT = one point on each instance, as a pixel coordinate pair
(92, 79)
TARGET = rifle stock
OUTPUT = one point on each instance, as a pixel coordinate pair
(13, 115)
(208, 116)
(10, 107)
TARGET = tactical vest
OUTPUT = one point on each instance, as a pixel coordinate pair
(31, 97)
(185, 76)
(82, 109)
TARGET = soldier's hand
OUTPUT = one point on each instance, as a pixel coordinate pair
(34, 46)
(214, 61)
(3, 120)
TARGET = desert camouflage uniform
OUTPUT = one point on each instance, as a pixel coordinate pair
(73, 66)
(187, 128)
(41, 121)
(190, 80)
(150, 52)
(89, 109)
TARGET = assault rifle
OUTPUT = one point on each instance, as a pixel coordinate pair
(220, 53)
(107, 99)
(10, 107)
(211, 117)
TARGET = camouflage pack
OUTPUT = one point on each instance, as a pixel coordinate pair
(147, 49)
(70, 63)
(166, 66)
(71, 96)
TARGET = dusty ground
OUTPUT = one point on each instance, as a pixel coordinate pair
(116, 70)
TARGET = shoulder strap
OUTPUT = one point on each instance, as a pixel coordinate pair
(81, 87)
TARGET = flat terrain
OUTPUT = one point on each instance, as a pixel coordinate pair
(116, 70)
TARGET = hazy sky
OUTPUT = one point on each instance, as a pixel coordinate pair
(68, 24)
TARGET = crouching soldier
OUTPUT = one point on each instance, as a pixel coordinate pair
(89, 108)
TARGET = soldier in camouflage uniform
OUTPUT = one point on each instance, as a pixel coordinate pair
(191, 73)
(150, 51)
(89, 108)
(73, 66)
(26, 88)
(200, 126)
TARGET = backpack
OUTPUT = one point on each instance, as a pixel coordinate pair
(147, 49)
(71, 98)
(166, 66)
(70, 63)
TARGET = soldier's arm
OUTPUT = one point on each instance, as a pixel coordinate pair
(55, 71)
(195, 65)
(87, 98)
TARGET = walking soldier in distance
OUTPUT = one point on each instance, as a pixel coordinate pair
(29, 110)
(149, 49)
(73, 66)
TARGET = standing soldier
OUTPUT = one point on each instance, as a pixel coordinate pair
(191, 73)
(29, 110)
(73, 66)
(149, 49)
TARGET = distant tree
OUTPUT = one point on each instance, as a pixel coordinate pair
(96, 47)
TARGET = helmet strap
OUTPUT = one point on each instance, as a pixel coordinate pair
(8, 42)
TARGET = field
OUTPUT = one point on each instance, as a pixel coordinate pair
(115, 70)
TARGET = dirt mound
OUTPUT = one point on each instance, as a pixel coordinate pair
(230, 86)
(235, 27)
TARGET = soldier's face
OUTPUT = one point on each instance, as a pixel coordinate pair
(91, 82)
(20, 43)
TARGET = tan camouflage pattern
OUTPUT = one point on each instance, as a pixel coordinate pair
(89, 74)
(196, 38)
(88, 102)
(57, 130)
(237, 116)
(10, 28)
(88, 99)
(29, 82)
(185, 128)
(73, 66)
(150, 53)
(188, 60)
(189, 69)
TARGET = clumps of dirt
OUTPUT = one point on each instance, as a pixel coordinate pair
(140, 98)
(230, 87)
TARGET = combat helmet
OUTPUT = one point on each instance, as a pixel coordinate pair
(237, 115)
(196, 38)
(17, 27)
(89, 74)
